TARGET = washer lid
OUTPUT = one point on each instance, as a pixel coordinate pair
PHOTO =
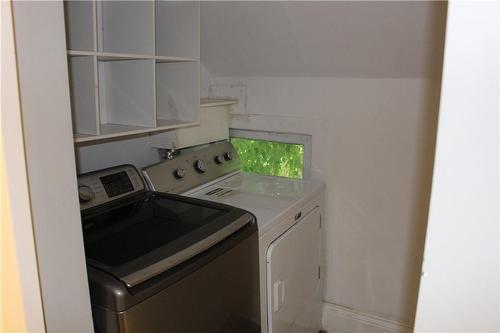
(153, 232)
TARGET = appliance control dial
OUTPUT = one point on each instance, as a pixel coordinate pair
(219, 159)
(200, 166)
(179, 173)
(85, 194)
(228, 156)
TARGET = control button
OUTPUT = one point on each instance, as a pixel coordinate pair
(200, 166)
(228, 156)
(219, 159)
(179, 173)
(85, 194)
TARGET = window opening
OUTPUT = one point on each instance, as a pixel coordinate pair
(273, 154)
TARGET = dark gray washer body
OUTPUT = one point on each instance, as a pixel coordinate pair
(215, 291)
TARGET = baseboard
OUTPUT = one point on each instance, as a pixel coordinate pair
(340, 319)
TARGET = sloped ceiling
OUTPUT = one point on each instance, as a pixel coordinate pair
(335, 39)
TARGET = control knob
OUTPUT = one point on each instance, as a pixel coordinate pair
(228, 155)
(200, 166)
(85, 194)
(179, 173)
(219, 159)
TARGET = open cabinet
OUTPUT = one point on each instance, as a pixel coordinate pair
(133, 66)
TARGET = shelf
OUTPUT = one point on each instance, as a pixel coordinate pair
(171, 124)
(207, 102)
(113, 129)
(81, 137)
(75, 53)
(110, 56)
(110, 131)
(164, 59)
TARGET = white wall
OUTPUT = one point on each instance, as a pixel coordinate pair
(362, 39)
(372, 142)
(460, 291)
(134, 150)
(363, 79)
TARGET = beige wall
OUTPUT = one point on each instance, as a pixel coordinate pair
(20, 303)
(372, 142)
(12, 317)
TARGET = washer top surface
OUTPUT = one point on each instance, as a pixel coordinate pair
(267, 197)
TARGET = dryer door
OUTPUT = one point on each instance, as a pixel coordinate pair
(293, 278)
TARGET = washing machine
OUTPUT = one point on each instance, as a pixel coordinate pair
(289, 219)
(159, 262)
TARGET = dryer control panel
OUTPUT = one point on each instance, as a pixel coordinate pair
(192, 167)
(102, 186)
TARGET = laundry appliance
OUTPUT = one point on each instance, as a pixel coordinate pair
(289, 218)
(161, 262)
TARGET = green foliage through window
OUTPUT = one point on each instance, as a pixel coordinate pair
(270, 158)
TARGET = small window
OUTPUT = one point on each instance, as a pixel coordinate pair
(273, 154)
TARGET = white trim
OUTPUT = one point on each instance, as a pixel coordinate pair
(340, 319)
(294, 138)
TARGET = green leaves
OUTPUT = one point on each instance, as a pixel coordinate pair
(270, 158)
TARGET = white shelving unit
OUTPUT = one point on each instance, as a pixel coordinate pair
(133, 65)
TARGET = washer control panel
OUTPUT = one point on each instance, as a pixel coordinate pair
(102, 186)
(192, 167)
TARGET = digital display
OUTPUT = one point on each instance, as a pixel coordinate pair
(116, 184)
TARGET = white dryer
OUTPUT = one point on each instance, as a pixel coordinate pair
(289, 216)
